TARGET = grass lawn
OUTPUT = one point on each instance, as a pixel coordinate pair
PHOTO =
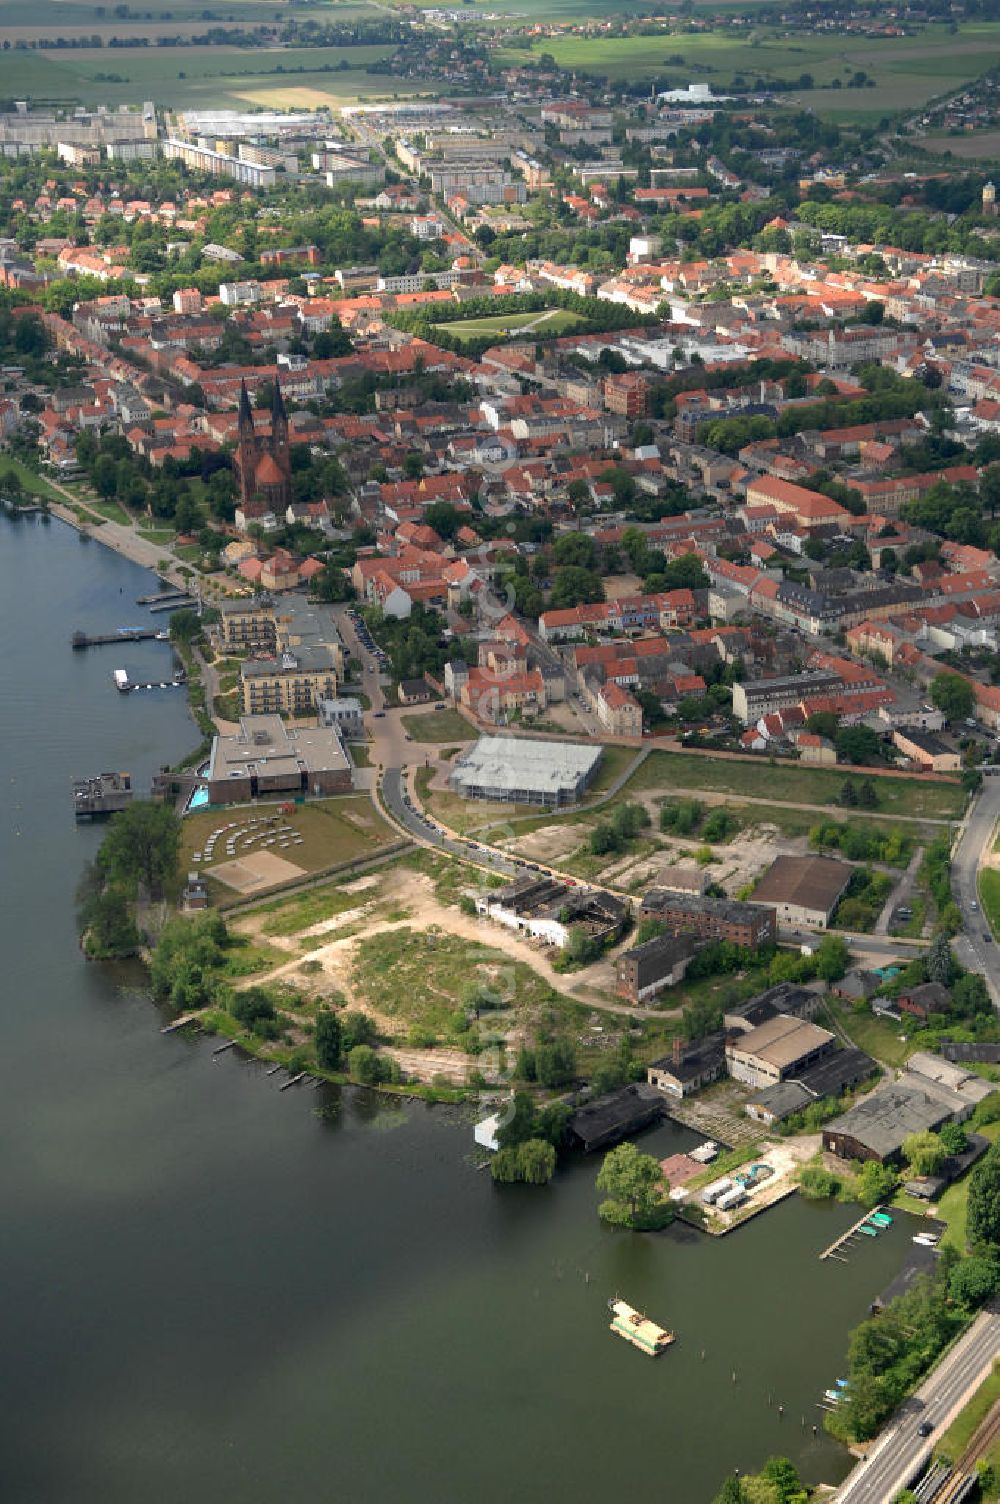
(293, 915)
(111, 512)
(614, 762)
(420, 978)
(554, 321)
(989, 896)
(954, 1204)
(466, 815)
(439, 726)
(878, 1037)
(793, 783)
(361, 754)
(961, 1431)
(32, 482)
(334, 830)
(162, 536)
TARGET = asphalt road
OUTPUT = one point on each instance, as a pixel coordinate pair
(425, 830)
(974, 947)
(901, 1451)
(871, 945)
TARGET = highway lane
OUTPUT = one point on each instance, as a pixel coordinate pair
(901, 1451)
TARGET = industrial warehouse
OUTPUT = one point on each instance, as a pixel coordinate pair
(515, 771)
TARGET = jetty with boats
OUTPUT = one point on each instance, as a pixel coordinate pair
(636, 1328)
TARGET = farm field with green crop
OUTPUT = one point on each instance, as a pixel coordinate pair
(179, 77)
(907, 70)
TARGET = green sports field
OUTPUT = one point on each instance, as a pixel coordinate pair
(553, 321)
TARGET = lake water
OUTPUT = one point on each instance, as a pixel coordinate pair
(212, 1291)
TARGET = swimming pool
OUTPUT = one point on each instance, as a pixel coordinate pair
(198, 800)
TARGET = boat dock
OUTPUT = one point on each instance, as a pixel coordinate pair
(126, 686)
(102, 796)
(182, 603)
(107, 639)
(159, 596)
(857, 1231)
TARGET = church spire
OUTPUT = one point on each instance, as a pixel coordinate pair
(278, 413)
(246, 412)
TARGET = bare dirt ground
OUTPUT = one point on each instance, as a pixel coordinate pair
(785, 1156)
(550, 842)
(400, 898)
(256, 870)
(737, 863)
(619, 586)
(423, 1065)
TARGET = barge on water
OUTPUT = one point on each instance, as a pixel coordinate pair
(636, 1328)
(100, 797)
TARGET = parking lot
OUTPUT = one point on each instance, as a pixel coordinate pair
(365, 638)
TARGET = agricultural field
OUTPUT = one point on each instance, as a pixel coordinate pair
(907, 70)
(22, 21)
(187, 77)
(974, 146)
(551, 321)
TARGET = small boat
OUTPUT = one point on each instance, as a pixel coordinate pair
(842, 1384)
(832, 1396)
(926, 1239)
(880, 1219)
(638, 1329)
(869, 1232)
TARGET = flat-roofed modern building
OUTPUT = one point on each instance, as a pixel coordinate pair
(247, 624)
(291, 684)
(514, 770)
(266, 757)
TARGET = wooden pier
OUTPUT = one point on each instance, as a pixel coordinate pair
(109, 639)
(182, 603)
(833, 1252)
(159, 596)
(180, 1023)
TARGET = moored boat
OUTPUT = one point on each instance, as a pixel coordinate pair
(636, 1328)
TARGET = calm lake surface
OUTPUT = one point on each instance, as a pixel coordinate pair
(213, 1292)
